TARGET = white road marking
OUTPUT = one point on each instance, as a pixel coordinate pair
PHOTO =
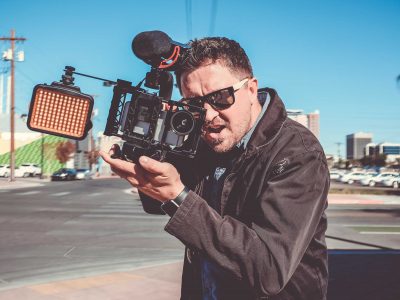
(61, 194)
(69, 251)
(27, 193)
(369, 225)
(95, 194)
(378, 232)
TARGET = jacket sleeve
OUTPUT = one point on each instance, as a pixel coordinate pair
(267, 252)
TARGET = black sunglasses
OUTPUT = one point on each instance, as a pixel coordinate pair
(219, 100)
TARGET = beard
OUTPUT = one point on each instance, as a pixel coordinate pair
(222, 138)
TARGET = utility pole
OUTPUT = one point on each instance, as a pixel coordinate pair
(338, 149)
(12, 39)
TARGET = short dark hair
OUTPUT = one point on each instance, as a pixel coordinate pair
(212, 49)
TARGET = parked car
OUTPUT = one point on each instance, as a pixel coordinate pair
(335, 175)
(377, 179)
(32, 169)
(64, 174)
(392, 182)
(83, 174)
(5, 171)
(18, 172)
(352, 177)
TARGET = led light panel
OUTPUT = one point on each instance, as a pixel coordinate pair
(60, 111)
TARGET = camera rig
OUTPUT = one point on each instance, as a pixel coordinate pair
(149, 123)
(152, 124)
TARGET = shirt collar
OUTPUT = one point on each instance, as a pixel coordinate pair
(244, 141)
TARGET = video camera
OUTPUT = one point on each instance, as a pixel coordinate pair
(149, 123)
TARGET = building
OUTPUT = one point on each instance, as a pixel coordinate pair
(80, 159)
(105, 143)
(313, 122)
(391, 150)
(310, 121)
(356, 143)
(22, 134)
(370, 149)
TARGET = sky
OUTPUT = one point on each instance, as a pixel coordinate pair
(339, 57)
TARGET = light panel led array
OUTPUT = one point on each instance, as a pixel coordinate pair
(60, 113)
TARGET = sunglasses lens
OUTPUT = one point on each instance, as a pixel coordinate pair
(194, 102)
(221, 99)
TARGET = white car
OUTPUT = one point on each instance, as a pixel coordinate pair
(5, 172)
(335, 175)
(392, 182)
(31, 169)
(3, 169)
(83, 174)
(351, 177)
(377, 179)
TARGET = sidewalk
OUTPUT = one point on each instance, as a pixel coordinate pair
(152, 283)
(21, 183)
(363, 199)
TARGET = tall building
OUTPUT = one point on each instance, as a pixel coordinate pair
(313, 122)
(356, 143)
(310, 121)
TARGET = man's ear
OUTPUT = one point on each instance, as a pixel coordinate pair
(253, 89)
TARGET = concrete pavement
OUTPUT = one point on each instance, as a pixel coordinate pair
(20, 183)
(160, 282)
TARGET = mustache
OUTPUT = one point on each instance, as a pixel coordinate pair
(214, 123)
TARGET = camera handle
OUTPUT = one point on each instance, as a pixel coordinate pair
(132, 153)
(161, 80)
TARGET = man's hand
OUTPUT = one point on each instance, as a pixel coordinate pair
(159, 180)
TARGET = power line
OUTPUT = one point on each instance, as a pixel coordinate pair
(189, 18)
(213, 16)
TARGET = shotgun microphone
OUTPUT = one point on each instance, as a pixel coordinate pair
(157, 49)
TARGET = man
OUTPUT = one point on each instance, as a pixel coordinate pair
(250, 206)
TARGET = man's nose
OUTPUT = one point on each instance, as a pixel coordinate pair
(211, 113)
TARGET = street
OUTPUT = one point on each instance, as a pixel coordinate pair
(78, 228)
(64, 230)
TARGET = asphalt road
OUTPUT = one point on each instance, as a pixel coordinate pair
(66, 230)
(80, 228)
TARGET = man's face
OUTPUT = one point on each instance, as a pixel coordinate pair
(223, 129)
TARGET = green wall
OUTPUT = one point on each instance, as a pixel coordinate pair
(31, 153)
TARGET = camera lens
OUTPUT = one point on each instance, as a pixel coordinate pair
(182, 122)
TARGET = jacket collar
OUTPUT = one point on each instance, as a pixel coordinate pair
(270, 124)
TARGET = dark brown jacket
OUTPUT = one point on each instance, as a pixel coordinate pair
(270, 236)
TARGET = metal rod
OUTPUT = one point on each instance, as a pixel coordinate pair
(94, 77)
